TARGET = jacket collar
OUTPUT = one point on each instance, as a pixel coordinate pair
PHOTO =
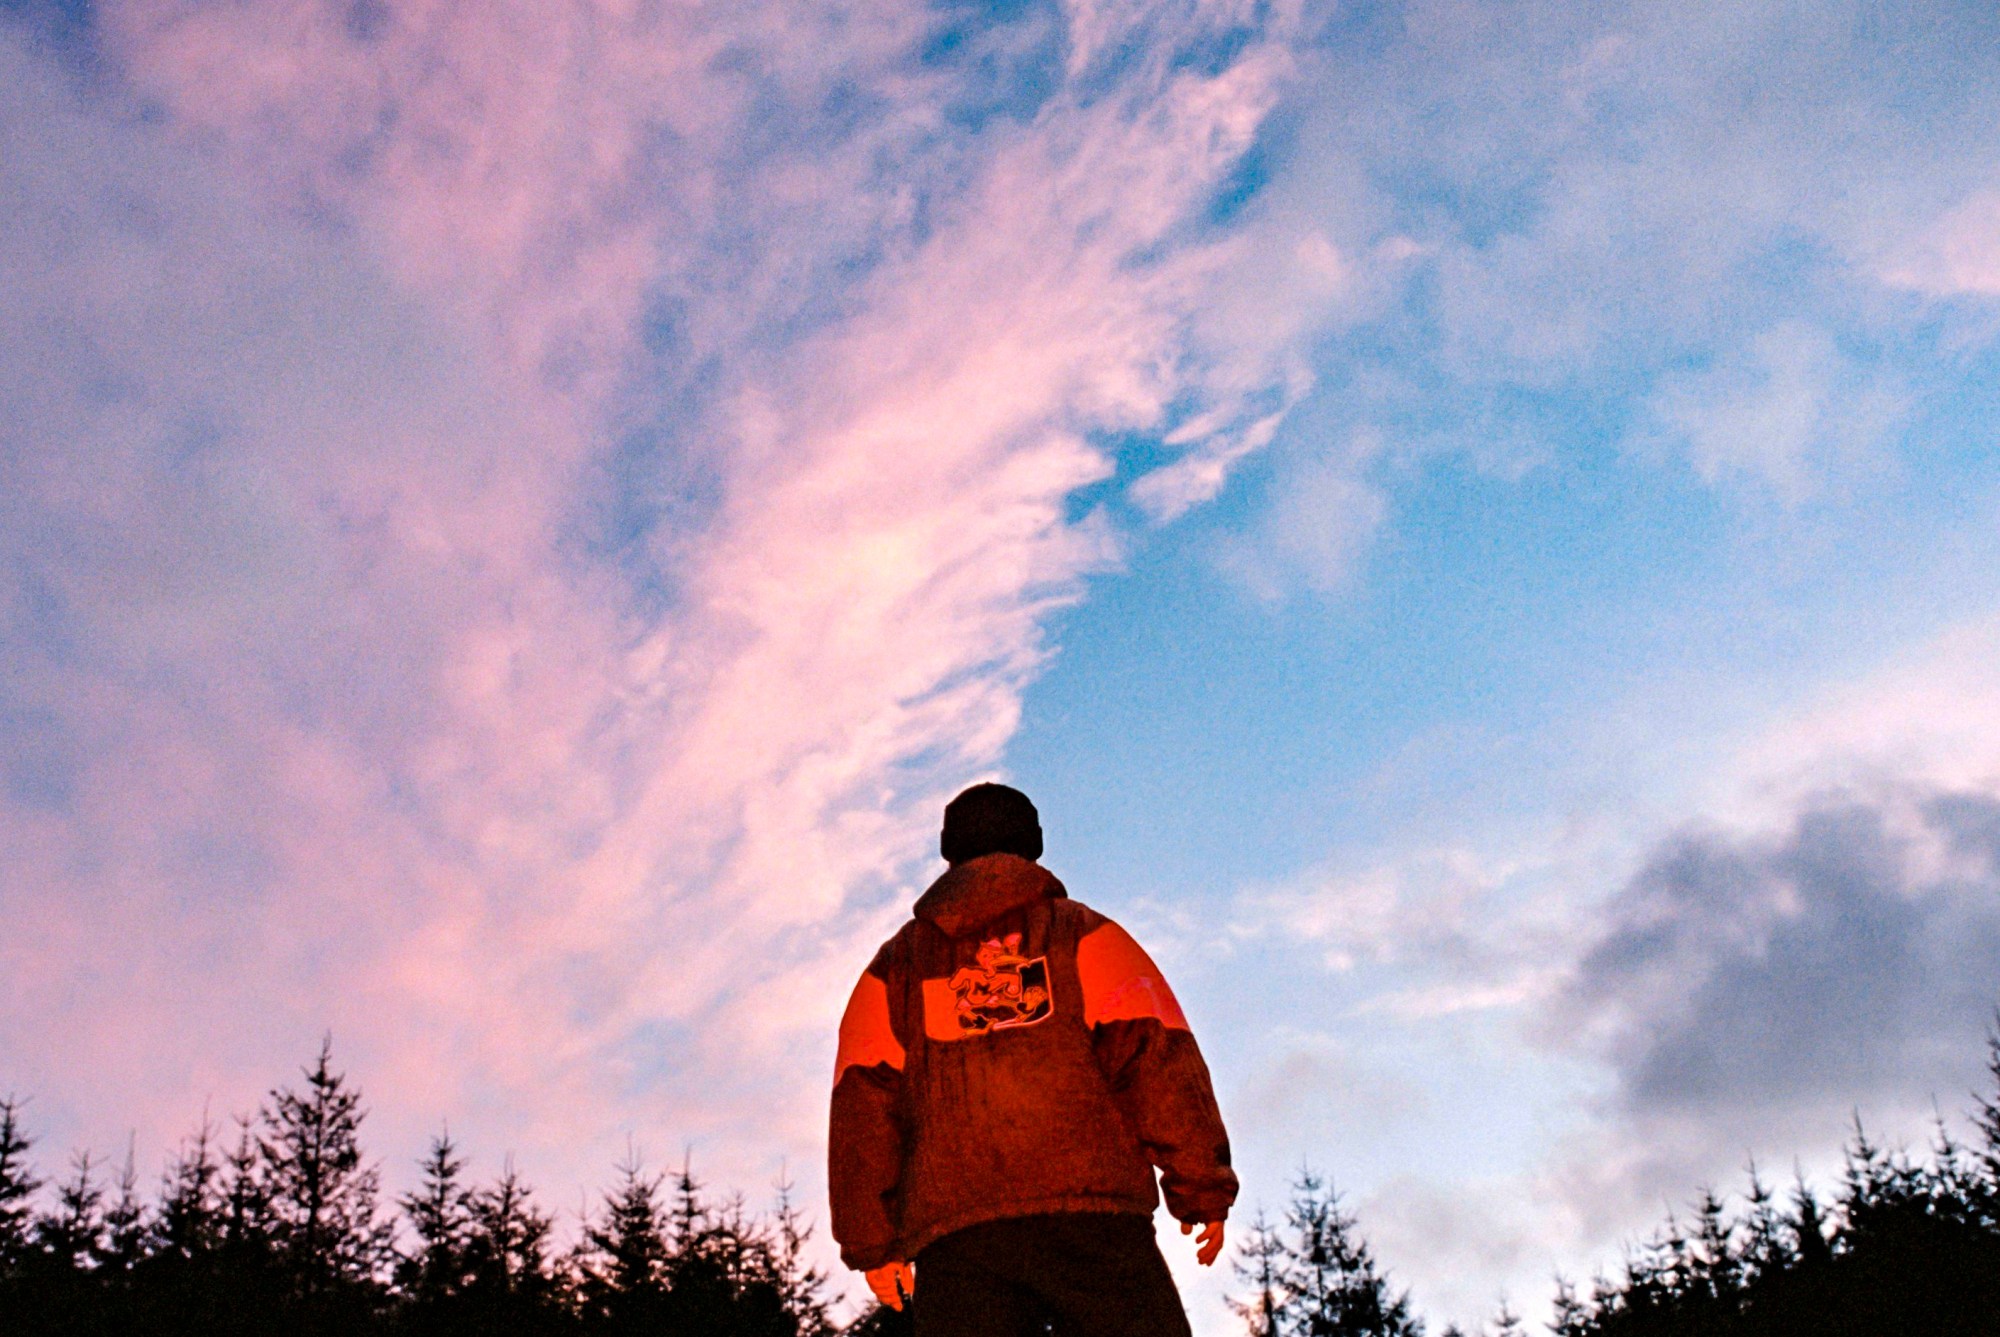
(981, 890)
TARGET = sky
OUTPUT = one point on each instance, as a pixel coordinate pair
(1478, 524)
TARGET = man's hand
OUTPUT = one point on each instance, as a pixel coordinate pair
(892, 1281)
(1207, 1245)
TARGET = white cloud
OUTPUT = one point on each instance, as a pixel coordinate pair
(1959, 254)
(1793, 413)
(333, 719)
(1319, 517)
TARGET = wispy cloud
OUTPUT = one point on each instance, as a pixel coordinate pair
(1789, 411)
(1957, 255)
(350, 695)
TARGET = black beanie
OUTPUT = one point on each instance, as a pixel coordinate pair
(990, 819)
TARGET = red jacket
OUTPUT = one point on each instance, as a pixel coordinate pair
(1009, 1053)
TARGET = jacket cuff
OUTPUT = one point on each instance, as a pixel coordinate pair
(1200, 1208)
(866, 1259)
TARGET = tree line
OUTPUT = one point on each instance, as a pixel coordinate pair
(1905, 1243)
(281, 1226)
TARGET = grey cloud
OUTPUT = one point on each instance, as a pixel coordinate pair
(1855, 955)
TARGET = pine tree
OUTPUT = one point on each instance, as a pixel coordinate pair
(1807, 1225)
(801, 1286)
(1715, 1270)
(1605, 1300)
(125, 1224)
(732, 1246)
(1986, 1119)
(1869, 1182)
(689, 1216)
(510, 1286)
(321, 1193)
(625, 1256)
(1328, 1275)
(72, 1235)
(735, 1290)
(1951, 1176)
(247, 1223)
(1257, 1262)
(721, 1271)
(18, 1187)
(1764, 1253)
(196, 1275)
(190, 1220)
(122, 1248)
(59, 1279)
(1674, 1261)
(1572, 1315)
(440, 1215)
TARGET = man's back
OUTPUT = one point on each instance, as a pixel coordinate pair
(1013, 1054)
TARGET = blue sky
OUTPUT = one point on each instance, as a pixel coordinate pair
(1476, 522)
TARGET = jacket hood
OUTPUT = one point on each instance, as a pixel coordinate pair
(980, 890)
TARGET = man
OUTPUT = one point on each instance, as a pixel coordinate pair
(1012, 1069)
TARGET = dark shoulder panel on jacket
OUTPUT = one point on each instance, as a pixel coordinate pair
(1077, 917)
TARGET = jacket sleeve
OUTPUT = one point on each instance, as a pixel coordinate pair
(1156, 1072)
(865, 1140)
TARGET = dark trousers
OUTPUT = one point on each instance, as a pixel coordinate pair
(1095, 1274)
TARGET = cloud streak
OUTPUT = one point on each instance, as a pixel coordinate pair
(343, 697)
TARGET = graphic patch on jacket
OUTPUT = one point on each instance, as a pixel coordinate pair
(1003, 990)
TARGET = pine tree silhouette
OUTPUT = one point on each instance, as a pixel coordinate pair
(189, 1223)
(1763, 1253)
(247, 1223)
(1321, 1279)
(122, 1249)
(1906, 1246)
(72, 1236)
(510, 1285)
(623, 1265)
(125, 1224)
(57, 1277)
(1572, 1316)
(281, 1234)
(433, 1275)
(801, 1287)
(1715, 1274)
(18, 1187)
(1807, 1226)
(1984, 1177)
(320, 1195)
(1257, 1261)
(181, 1282)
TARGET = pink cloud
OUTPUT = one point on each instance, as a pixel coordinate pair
(359, 738)
(1957, 254)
